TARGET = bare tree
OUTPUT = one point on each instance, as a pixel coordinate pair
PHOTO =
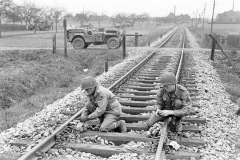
(5, 6)
(28, 12)
(81, 17)
(58, 14)
(132, 18)
(99, 18)
(143, 18)
(13, 15)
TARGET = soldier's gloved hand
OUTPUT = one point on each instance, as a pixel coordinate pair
(165, 113)
(83, 118)
(157, 112)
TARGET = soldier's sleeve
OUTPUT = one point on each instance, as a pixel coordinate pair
(159, 103)
(85, 112)
(102, 104)
(186, 104)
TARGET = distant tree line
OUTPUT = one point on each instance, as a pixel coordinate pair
(28, 13)
(120, 18)
(31, 14)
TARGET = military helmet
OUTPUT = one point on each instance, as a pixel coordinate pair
(88, 82)
(168, 78)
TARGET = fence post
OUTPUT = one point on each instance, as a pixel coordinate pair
(106, 66)
(54, 43)
(160, 36)
(213, 49)
(136, 39)
(148, 43)
(124, 44)
(65, 37)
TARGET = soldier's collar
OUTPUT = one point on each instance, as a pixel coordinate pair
(96, 90)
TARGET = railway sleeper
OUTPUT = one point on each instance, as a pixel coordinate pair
(147, 93)
(100, 151)
(156, 84)
(142, 98)
(143, 104)
(152, 88)
(107, 151)
(122, 138)
(135, 118)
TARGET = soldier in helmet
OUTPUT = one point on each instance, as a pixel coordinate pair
(102, 104)
(172, 100)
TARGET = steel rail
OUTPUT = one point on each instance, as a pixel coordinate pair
(160, 154)
(129, 73)
(49, 141)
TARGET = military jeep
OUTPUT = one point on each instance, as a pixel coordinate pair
(81, 38)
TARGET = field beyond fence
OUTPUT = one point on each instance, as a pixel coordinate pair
(12, 27)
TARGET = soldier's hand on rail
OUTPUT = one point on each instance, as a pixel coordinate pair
(157, 112)
(83, 118)
(165, 113)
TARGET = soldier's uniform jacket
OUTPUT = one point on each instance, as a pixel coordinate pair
(105, 102)
(166, 101)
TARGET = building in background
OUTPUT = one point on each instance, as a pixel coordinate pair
(231, 16)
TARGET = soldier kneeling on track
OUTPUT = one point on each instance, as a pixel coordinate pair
(172, 100)
(103, 104)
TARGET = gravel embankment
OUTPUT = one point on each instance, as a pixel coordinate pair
(217, 107)
(31, 127)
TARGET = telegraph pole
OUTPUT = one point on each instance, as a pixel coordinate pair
(233, 6)
(204, 16)
(174, 10)
(212, 16)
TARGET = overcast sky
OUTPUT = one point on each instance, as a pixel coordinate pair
(155, 8)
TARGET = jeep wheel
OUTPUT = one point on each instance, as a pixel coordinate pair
(113, 43)
(78, 43)
(86, 45)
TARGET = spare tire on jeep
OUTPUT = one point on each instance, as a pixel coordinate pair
(113, 43)
(78, 43)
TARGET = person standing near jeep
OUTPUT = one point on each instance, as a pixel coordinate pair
(102, 104)
(172, 100)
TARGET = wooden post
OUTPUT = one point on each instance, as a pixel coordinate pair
(223, 52)
(124, 44)
(35, 29)
(106, 66)
(149, 43)
(213, 49)
(54, 43)
(56, 21)
(65, 37)
(136, 39)
(160, 36)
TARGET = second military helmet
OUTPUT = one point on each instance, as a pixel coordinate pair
(88, 82)
(168, 78)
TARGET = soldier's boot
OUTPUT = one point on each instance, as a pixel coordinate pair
(179, 126)
(109, 128)
(122, 126)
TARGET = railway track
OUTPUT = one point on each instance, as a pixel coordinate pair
(137, 92)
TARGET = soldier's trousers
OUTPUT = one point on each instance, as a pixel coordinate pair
(106, 120)
(154, 118)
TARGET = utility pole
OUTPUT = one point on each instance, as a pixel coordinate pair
(196, 17)
(204, 16)
(233, 6)
(212, 16)
(174, 10)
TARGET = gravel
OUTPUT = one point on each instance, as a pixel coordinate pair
(215, 103)
(216, 106)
